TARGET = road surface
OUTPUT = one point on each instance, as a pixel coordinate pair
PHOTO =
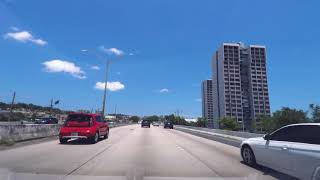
(131, 152)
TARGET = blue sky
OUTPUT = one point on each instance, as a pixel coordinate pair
(165, 45)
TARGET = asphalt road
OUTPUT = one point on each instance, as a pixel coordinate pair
(131, 152)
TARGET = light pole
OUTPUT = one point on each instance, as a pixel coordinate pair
(105, 81)
(105, 88)
(12, 104)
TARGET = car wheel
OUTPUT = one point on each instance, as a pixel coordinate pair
(63, 140)
(248, 156)
(107, 135)
(94, 139)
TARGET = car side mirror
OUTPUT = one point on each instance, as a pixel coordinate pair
(267, 137)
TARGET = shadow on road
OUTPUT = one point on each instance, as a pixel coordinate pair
(271, 172)
(78, 142)
(235, 143)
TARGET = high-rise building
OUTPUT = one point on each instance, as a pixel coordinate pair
(207, 104)
(240, 88)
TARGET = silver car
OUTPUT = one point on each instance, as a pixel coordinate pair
(293, 150)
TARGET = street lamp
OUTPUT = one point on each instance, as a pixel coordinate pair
(106, 78)
(105, 88)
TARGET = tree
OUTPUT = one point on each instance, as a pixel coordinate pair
(267, 124)
(229, 123)
(253, 125)
(177, 120)
(134, 119)
(152, 118)
(315, 112)
(171, 117)
(202, 122)
(287, 116)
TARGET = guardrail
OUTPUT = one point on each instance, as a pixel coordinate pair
(240, 134)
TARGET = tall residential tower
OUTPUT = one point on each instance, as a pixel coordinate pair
(207, 104)
(240, 88)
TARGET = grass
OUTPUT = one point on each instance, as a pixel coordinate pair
(6, 142)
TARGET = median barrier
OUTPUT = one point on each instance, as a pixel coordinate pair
(27, 131)
(219, 132)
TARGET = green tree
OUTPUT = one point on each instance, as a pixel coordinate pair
(229, 123)
(170, 117)
(202, 122)
(152, 118)
(134, 119)
(287, 116)
(253, 126)
(267, 124)
(315, 112)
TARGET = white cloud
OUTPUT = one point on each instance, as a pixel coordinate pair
(24, 36)
(95, 67)
(39, 42)
(198, 100)
(164, 90)
(19, 36)
(112, 51)
(111, 86)
(131, 54)
(57, 65)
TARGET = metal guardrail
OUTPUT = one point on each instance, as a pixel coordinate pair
(222, 132)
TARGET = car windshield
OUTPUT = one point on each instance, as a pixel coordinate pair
(159, 89)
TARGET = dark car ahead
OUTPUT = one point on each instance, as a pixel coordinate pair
(145, 123)
(168, 124)
(48, 120)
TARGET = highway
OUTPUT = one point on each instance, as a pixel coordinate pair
(131, 152)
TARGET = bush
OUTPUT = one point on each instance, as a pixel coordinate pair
(134, 118)
(6, 141)
(229, 123)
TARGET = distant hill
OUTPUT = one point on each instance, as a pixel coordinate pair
(26, 111)
(30, 107)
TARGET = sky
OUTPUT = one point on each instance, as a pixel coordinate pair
(159, 51)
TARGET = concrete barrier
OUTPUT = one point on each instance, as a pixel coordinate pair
(241, 135)
(27, 131)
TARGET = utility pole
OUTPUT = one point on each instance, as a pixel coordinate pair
(51, 106)
(115, 110)
(105, 88)
(12, 103)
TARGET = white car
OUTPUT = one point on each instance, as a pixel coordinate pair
(293, 150)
